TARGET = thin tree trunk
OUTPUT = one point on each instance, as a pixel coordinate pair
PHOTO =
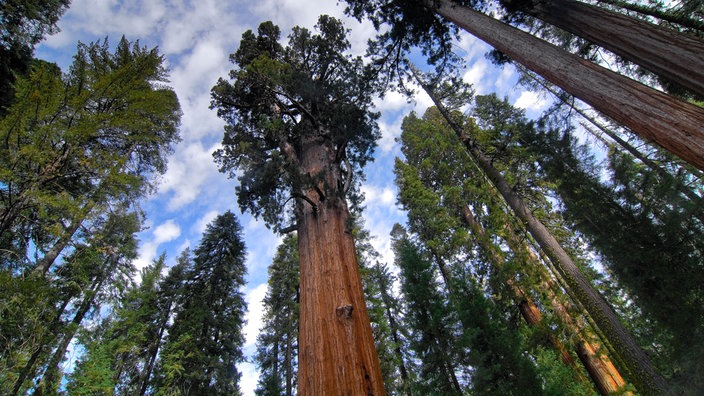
(673, 124)
(397, 344)
(602, 372)
(51, 378)
(49, 336)
(674, 56)
(50, 257)
(528, 309)
(662, 15)
(643, 373)
(337, 355)
(288, 363)
(154, 351)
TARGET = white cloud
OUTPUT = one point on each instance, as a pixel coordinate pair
(530, 100)
(476, 75)
(254, 314)
(250, 376)
(165, 232)
(189, 170)
(374, 195)
(506, 79)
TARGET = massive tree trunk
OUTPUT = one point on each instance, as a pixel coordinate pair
(674, 56)
(642, 371)
(673, 124)
(337, 355)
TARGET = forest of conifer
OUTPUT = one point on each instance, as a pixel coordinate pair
(555, 254)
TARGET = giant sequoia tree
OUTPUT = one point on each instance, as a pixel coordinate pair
(299, 130)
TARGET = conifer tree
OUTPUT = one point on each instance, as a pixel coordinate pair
(439, 186)
(648, 234)
(119, 351)
(429, 318)
(277, 343)
(74, 143)
(627, 350)
(95, 273)
(205, 341)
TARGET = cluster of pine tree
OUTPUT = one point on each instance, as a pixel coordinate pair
(79, 150)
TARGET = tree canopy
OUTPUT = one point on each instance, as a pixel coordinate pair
(279, 100)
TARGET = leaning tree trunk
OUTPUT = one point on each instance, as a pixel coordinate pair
(673, 124)
(601, 370)
(642, 371)
(674, 56)
(677, 19)
(336, 354)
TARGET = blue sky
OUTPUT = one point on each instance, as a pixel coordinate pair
(196, 37)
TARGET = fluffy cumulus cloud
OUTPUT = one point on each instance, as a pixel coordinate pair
(165, 232)
(531, 101)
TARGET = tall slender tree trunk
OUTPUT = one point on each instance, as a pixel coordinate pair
(673, 124)
(52, 376)
(641, 368)
(397, 345)
(154, 350)
(52, 332)
(674, 56)
(337, 355)
(50, 257)
(288, 363)
(678, 19)
(601, 370)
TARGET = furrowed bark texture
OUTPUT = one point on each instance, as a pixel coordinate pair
(674, 56)
(337, 355)
(673, 124)
(643, 373)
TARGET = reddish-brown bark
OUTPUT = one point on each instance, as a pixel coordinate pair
(674, 56)
(641, 368)
(337, 355)
(671, 123)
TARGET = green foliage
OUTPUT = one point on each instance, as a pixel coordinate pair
(412, 24)
(429, 317)
(496, 354)
(445, 194)
(648, 234)
(72, 143)
(204, 343)
(93, 376)
(283, 100)
(558, 379)
(277, 343)
(23, 24)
